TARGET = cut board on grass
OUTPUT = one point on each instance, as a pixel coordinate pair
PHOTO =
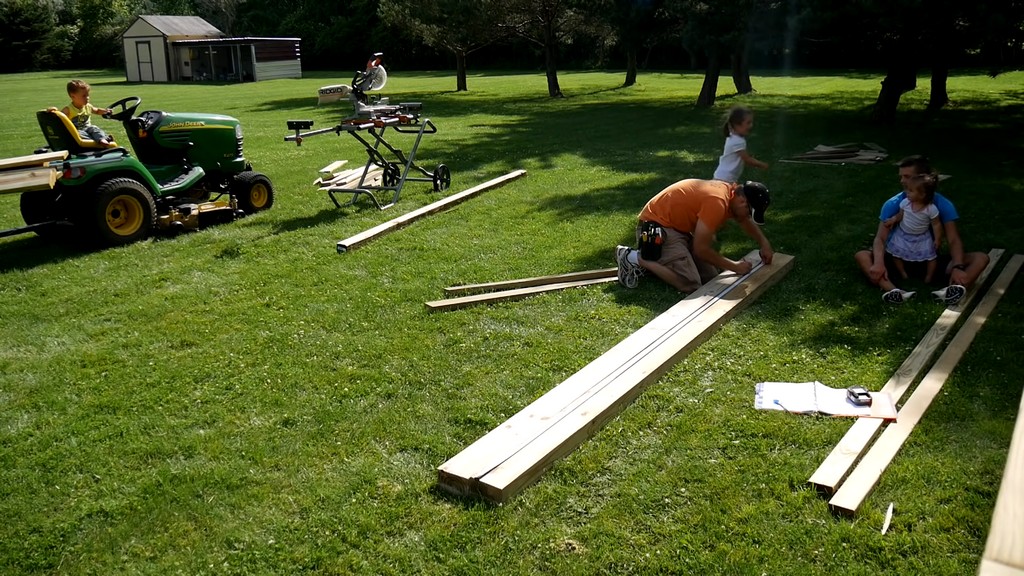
(869, 470)
(535, 281)
(405, 219)
(514, 294)
(515, 454)
(1004, 546)
(833, 469)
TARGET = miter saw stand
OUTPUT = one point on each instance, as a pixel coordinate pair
(387, 168)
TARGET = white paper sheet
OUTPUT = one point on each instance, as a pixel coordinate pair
(816, 398)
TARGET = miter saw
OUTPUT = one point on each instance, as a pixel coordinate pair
(373, 115)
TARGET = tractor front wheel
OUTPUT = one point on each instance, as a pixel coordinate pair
(123, 211)
(253, 191)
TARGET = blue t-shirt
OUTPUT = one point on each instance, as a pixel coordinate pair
(947, 212)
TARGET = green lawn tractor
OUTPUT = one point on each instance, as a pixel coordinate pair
(188, 170)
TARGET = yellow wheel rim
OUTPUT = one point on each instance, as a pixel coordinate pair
(124, 215)
(259, 195)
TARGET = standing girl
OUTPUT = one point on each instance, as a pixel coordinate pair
(911, 240)
(738, 125)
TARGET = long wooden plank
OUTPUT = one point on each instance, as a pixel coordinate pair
(867, 473)
(515, 294)
(992, 568)
(535, 281)
(1005, 543)
(500, 443)
(515, 454)
(32, 160)
(564, 436)
(834, 468)
(405, 219)
(27, 179)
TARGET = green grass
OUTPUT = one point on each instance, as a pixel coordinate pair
(243, 400)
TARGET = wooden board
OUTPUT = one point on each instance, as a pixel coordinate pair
(834, 468)
(867, 473)
(991, 568)
(1005, 543)
(405, 219)
(515, 294)
(521, 428)
(32, 160)
(27, 179)
(516, 454)
(535, 281)
(331, 169)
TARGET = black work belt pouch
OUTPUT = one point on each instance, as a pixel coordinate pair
(652, 237)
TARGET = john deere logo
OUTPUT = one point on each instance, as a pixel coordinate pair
(179, 125)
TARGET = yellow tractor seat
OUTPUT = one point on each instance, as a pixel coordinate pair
(61, 134)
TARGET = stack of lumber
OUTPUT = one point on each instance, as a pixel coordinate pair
(515, 454)
(32, 172)
(346, 179)
(849, 492)
(851, 153)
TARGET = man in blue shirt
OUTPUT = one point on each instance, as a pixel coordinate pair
(960, 268)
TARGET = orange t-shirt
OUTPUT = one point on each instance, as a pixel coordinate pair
(682, 204)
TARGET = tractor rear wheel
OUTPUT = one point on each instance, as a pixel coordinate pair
(41, 206)
(253, 191)
(122, 212)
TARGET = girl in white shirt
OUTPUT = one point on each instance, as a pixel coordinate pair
(738, 125)
(919, 234)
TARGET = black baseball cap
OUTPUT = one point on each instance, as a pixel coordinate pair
(758, 198)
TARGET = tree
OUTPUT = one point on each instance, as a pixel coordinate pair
(546, 23)
(458, 26)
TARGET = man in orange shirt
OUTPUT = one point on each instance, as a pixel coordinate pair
(676, 232)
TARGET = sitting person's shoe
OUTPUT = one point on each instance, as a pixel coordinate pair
(950, 295)
(629, 273)
(897, 296)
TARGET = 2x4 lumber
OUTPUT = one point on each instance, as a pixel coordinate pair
(506, 295)
(1005, 543)
(516, 454)
(406, 219)
(865, 476)
(833, 469)
(495, 446)
(535, 281)
(459, 474)
(24, 180)
(991, 568)
(330, 170)
(32, 160)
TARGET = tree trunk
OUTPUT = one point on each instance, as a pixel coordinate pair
(460, 71)
(899, 79)
(550, 49)
(630, 65)
(938, 97)
(741, 69)
(709, 89)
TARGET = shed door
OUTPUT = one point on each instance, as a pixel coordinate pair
(145, 58)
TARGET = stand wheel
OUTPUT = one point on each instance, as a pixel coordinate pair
(392, 174)
(442, 178)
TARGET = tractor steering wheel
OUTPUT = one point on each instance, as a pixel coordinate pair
(127, 108)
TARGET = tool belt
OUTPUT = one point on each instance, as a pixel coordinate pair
(652, 237)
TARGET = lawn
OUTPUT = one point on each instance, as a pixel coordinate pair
(245, 400)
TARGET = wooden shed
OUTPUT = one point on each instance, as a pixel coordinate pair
(188, 48)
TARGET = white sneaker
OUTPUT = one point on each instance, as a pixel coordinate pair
(629, 273)
(897, 296)
(950, 295)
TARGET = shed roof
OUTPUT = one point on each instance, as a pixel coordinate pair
(182, 26)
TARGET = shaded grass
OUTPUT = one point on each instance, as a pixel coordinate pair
(244, 400)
